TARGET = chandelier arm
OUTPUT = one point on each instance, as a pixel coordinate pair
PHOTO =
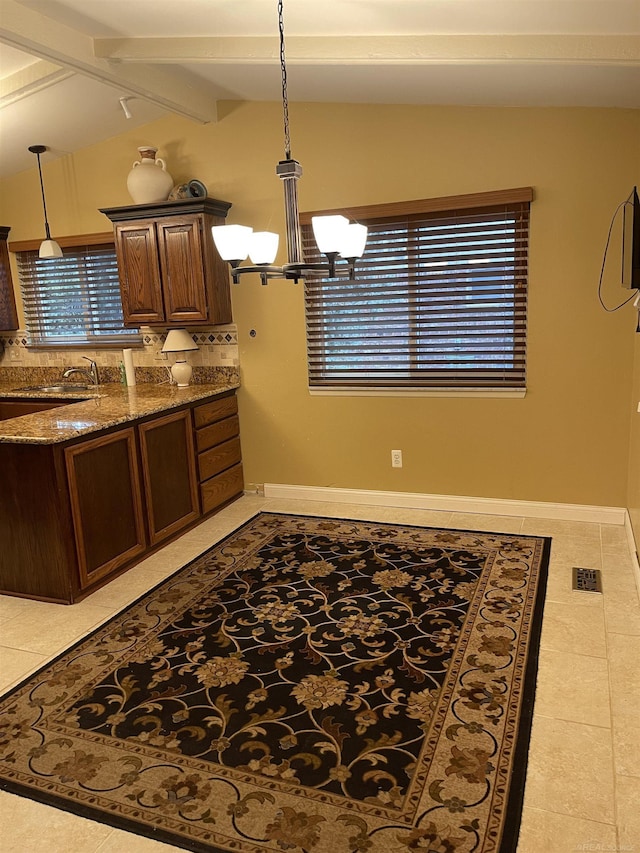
(295, 271)
(266, 271)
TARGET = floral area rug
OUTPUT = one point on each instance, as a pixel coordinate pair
(307, 684)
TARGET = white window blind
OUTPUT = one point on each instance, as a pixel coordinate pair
(73, 300)
(439, 299)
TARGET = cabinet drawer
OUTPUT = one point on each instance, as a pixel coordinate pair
(215, 411)
(222, 456)
(218, 490)
(217, 433)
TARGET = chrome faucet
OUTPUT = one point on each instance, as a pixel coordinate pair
(91, 373)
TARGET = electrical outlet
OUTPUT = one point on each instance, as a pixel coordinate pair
(396, 459)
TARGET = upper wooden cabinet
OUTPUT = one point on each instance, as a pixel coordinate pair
(8, 313)
(170, 272)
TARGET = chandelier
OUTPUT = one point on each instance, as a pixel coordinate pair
(337, 238)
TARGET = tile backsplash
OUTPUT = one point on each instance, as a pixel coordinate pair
(215, 360)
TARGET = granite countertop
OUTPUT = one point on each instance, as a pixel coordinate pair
(96, 409)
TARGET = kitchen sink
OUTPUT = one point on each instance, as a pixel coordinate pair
(63, 388)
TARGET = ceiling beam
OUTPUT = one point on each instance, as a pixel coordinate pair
(31, 79)
(34, 33)
(587, 49)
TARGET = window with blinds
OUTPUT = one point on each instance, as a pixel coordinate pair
(439, 300)
(73, 300)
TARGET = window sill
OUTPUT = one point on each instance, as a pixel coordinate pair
(511, 393)
(133, 342)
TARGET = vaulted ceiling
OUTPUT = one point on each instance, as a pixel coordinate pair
(65, 65)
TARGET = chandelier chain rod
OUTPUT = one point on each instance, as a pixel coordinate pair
(285, 99)
(44, 203)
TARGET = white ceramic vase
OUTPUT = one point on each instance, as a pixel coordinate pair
(148, 180)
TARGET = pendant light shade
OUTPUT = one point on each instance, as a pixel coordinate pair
(48, 248)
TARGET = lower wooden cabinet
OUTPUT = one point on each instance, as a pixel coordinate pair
(74, 515)
(221, 489)
(37, 547)
(106, 504)
(168, 467)
(219, 455)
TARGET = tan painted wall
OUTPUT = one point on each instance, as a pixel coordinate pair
(633, 499)
(567, 441)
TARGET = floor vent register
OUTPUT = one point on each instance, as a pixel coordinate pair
(587, 580)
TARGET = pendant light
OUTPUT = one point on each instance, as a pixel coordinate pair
(48, 248)
(336, 238)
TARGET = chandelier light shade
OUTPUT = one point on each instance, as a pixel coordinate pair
(48, 248)
(337, 238)
(180, 341)
(232, 242)
(327, 231)
(263, 247)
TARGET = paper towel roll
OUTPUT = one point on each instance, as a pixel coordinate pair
(128, 367)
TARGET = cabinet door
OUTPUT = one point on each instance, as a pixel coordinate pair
(38, 556)
(139, 272)
(168, 468)
(8, 313)
(106, 503)
(183, 275)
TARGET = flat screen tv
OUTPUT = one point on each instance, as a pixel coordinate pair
(631, 241)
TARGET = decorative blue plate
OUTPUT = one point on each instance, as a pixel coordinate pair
(197, 189)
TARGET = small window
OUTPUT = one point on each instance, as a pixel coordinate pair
(75, 299)
(438, 302)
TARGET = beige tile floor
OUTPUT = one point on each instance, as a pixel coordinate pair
(583, 780)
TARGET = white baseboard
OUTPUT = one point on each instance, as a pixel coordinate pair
(452, 503)
(633, 547)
